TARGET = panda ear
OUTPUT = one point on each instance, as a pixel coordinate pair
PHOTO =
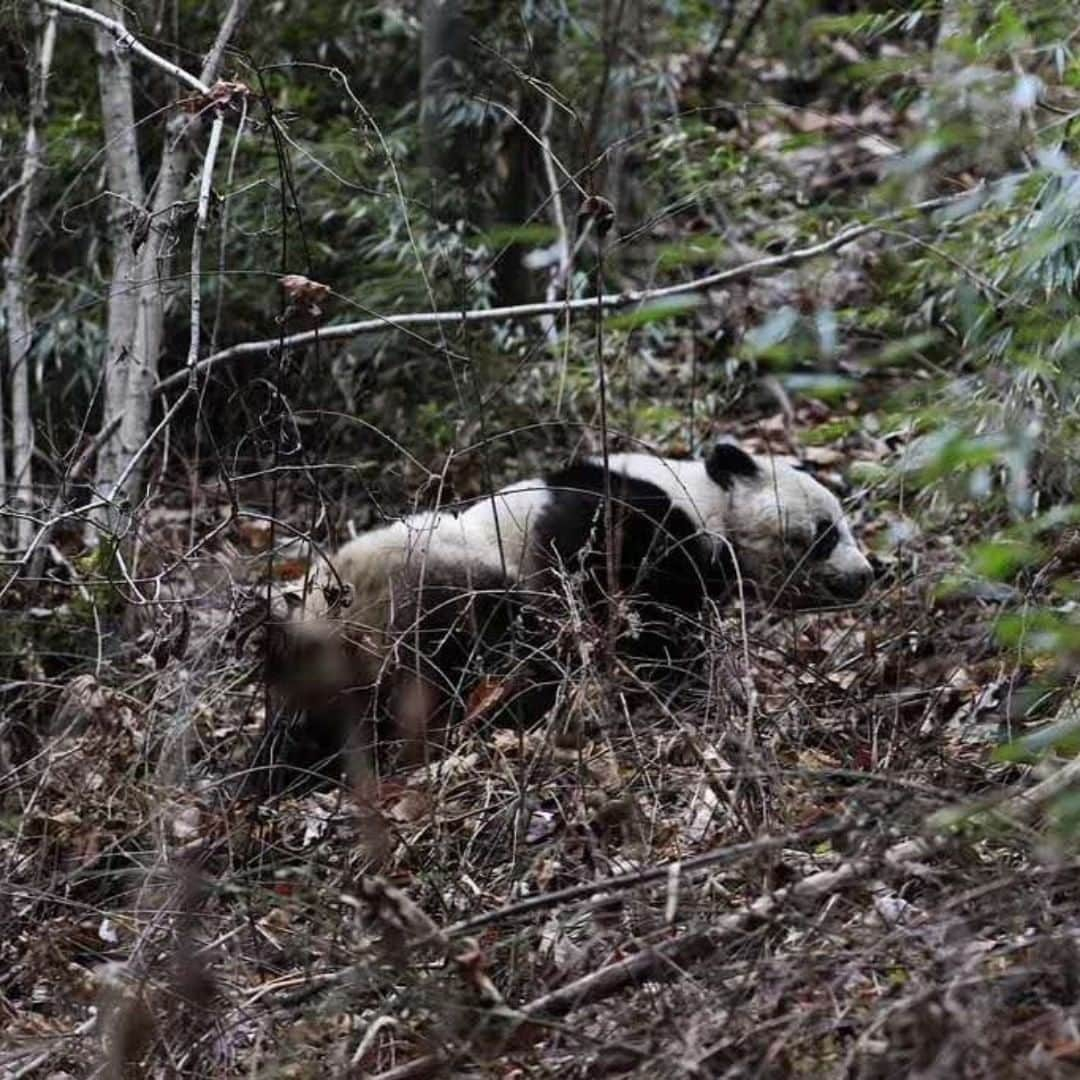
(337, 596)
(728, 462)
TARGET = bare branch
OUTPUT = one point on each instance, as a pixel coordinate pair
(695, 946)
(610, 301)
(11, 189)
(540, 141)
(618, 883)
(744, 35)
(559, 274)
(200, 235)
(236, 12)
(691, 947)
(127, 41)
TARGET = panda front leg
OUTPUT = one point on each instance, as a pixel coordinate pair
(358, 725)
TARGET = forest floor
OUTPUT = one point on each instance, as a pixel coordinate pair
(806, 862)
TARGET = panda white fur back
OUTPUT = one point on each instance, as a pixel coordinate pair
(388, 626)
(502, 526)
(435, 543)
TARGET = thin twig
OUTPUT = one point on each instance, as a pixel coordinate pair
(45, 530)
(540, 141)
(690, 947)
(744, 35)
(236, 12)
(58, 1046)
(699, 944)
(558, 280)
(730, 8)
(197, 241)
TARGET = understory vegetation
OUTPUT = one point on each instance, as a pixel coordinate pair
(843, 842)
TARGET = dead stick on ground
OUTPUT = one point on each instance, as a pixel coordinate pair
(699, 944)
(617, 883)
(687, 948)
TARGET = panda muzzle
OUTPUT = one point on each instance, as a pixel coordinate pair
(852, 584)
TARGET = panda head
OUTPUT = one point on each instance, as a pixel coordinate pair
(788, 531)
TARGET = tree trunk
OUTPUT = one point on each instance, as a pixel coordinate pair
(16, 302)
(154, 270)
(143, 243)
(126, 223)
(521, 166)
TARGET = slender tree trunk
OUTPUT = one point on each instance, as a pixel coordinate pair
(16, 301)
(521, 166)
(154, 270)
(126, 224)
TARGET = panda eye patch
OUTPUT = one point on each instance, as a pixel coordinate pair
(826, 537)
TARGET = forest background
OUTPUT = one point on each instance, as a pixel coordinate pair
(274, 273)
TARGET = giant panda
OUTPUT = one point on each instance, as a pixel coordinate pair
(398, 617)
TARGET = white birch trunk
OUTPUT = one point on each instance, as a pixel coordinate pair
(141, 241)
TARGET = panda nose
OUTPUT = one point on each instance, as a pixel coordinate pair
(854, 585)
